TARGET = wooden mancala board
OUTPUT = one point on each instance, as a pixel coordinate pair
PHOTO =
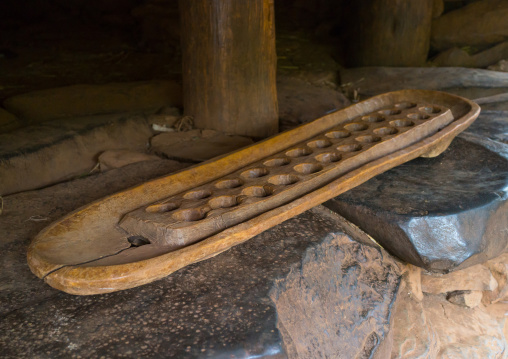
(149, 231)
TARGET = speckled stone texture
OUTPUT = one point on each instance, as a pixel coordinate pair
(230, 306)
(439, 213)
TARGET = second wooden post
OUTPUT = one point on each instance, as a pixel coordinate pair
(229, 65)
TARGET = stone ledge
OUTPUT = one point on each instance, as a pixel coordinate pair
(85, 100)
(57, 150)
(436, 213)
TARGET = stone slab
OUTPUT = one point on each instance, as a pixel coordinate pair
(85, 100)
(464, 26)
(8, 122)
(240, 303)
(197, 145)
(436, 213)
(436, 328)
(44, 154)
(476, 278)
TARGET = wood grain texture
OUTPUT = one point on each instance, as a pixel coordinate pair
(229, 65)
(387, 32)
(76, 254)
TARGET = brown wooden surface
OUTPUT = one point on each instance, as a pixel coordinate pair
(78, 253)
(229, 64)
(183, 219)
(387, 32)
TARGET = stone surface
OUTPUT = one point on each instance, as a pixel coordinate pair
(302, 100)
(461, 58)
(436, 328)
(197, 145)
(502, 66)
(499, 269)
(119, 158)
(464, 27)
(54, 151)
(476, 278)
(8, 121)
(465, 333)
(436, 213)
(467, 298)
(83, 100)
(413, 335)
(220, 307)
(413, 281)
(338, 291)
(490, 130)
(370, 81)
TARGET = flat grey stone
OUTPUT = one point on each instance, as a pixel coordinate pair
(44, 154)
(87, 100)
(440, 213)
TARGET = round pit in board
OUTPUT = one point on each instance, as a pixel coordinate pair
(401, 123)
(308, 168)
(430, 109)
(298, 152)
(283, 180)
(368, 139)
(373, 118)
(277, 162)
(385, 131)
(198, 194)
(405, 105)
(190, 214)
(389, 112)
(223, 202)
(229, 183)
(162, 207)
(337, 134)
(353, 147)
(417, 116)
(257, 191)
(355, 127)
(328, 157)
(319, 144)
(254, 172)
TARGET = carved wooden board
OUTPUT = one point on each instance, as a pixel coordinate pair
(147, 232)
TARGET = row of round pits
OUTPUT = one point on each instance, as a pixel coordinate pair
(385, 131)
(389, 112)
(277, 162)
(162, 207)
(283, 179)
(417, 116)
(328, 157)
(258, 191)
(319, 144)
(401, 123)
(368, 139)
(356, 127)
(337, 134)
(405, 105)
(430, 109)
(254, 172)
(352, 147)
(298, 152)
(308, 168)
(373, 118)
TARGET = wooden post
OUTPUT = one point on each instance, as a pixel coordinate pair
(387, 32)
(229, 65)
